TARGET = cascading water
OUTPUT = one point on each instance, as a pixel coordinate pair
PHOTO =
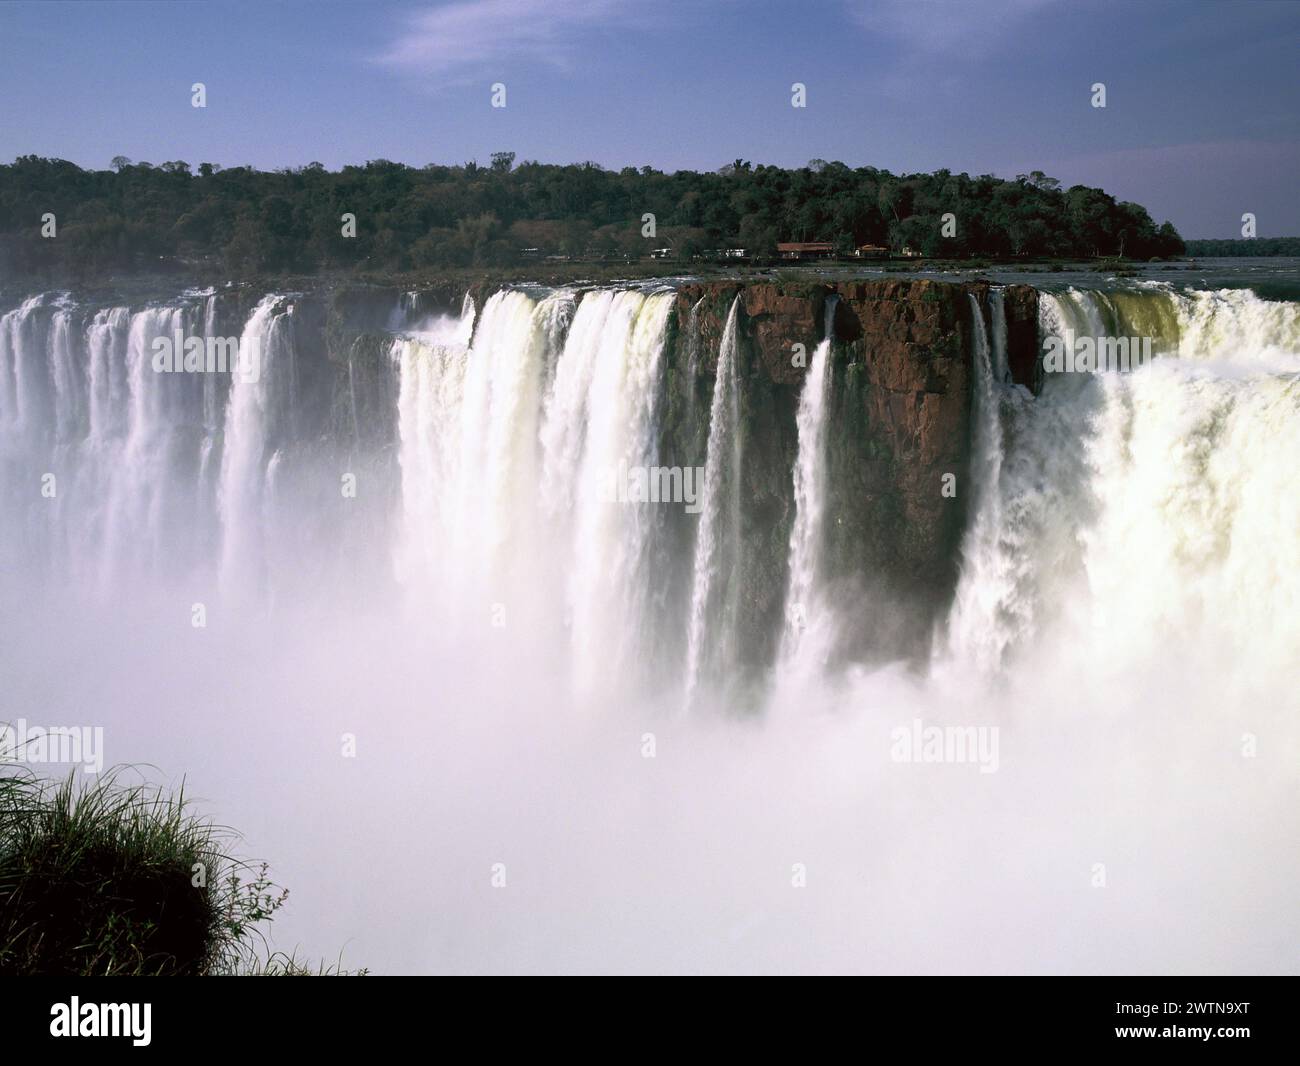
(612, 542)
(431, 370)
(983, 620)
(146, 508)
(598, 333)
(1188, 463)
(106, 340)
(1133, 507)
(120, 470)
(499, 478)
(691, 332)
(505, 443)
(716, 570)
(469, 427)
(496, 466)
(23, 394)
(808, 634)
(242, 492)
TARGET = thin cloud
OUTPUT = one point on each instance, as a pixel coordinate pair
(457, 41)
(943, 27)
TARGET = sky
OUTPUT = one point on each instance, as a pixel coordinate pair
(1201, 122)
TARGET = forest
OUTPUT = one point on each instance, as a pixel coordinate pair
(142, 217)
(1255, 247)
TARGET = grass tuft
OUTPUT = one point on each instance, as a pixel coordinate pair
(112, 877)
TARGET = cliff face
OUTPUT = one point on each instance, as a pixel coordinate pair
(1021, 307)
(900, 421)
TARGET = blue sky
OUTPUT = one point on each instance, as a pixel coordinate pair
(1201, 123)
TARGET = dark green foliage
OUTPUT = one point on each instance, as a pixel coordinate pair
(1245, 249)
(99, 879)
(140, 217)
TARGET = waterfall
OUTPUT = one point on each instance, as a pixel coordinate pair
(608, 586)
(505, 475)
(211, 401)
(715, 574)
(598, 333)
(1125, 509)
(106, 342)
(68, 399)
(431, 369)
(1187, 462)
(1124, 626)
(210, 381)
(242, 486)
(25, 434)
(691, 331)
(23, 395)
(496, 466)
(516, 424)
(808, 635)
(983, 621)
(468, 429)
(148, 487)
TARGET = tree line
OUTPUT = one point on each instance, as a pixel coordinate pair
(239, 220)
(1255, 246)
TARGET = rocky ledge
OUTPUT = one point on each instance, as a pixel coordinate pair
(900, 421)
